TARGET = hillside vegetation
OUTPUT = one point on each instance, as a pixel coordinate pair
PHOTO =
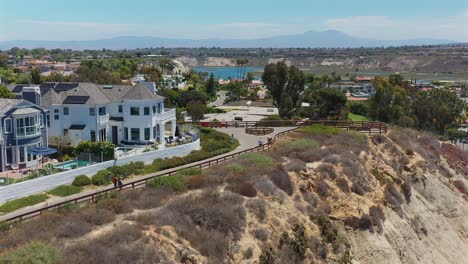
(321, 195)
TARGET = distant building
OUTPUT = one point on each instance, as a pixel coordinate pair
(22, 126)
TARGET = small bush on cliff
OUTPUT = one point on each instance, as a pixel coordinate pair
(35, 252)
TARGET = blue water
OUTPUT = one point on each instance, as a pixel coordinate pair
(226, 72)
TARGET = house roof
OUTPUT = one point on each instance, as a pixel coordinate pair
(25, 111)
(96, 96)
(140, 92)
(24, 107)
(51, 98)
(57, 93)
(7, 104)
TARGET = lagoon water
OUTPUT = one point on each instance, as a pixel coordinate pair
(226, 72)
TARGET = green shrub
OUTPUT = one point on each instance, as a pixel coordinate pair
(122, 171)
(190, 172)
(303, 144)
(358, 108)
(236, 167)
(35, 252)
(102, 177)
(65, 190)
(267, 256)
(256, 159)
(174, 182)
(81, 180)
(327, 231)
(13, 205)
(320, 130)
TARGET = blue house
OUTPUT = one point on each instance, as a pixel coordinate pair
(22, 126)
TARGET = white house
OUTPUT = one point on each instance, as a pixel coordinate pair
(121, 114)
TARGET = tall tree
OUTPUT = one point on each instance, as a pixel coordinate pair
(326, 103)
(396, 79)
(36, 75)
(285, 85)
(196, 109)
(210, 85)
(5, 93)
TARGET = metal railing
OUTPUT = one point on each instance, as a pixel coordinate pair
(103, 119)
(140, 183)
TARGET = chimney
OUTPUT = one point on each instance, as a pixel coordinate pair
(32, 94)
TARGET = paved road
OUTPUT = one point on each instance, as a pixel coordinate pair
(220, 100)
(245, 142)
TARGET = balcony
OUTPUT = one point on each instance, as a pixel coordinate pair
(103, 119)
(170, 114)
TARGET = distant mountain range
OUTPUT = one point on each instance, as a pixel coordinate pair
(310, 39)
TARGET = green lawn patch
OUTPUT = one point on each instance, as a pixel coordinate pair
(303, 144)
(174, 182)
(320, 130)
(13, 205)
(256, 159)
(354, 117)
(34, 252)
(65, 190)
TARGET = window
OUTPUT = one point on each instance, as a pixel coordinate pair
(126, 133)
(65, 132)
(154, 109)
(9, 155)
(154, 131)
(92, 111)
(8, 125)
(22, 156)
(134, 111)
(65, 111)
(157, 132)
(41, 120)
(120, 109)
(146, 110)
(93, 135)
(102, 111)
(159, 108)
(135, 134)
(147, 133)
(27, 126)
(56, 114)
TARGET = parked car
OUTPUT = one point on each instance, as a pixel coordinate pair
(464, 141)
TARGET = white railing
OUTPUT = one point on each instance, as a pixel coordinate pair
(167, 114)
(103, 119)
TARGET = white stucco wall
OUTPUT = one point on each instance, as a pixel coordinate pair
(49, 182)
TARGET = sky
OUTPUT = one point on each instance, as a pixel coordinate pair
(236, 19)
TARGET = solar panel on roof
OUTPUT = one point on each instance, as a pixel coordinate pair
(18, 89)
(76, 99)
(47, 86)
(65, 86)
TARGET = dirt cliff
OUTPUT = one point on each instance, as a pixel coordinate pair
(320, 195)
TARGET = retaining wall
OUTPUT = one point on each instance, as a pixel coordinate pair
(46, 183)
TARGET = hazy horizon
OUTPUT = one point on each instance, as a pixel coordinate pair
(55, 20)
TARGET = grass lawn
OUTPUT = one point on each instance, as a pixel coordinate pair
(14, 205)
(355, 117)
(64, 190)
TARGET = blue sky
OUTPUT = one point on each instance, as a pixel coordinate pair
(96, 19)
